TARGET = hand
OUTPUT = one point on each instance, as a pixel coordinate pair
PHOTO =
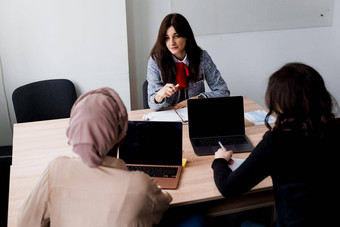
(180, 105)
(166, 91)
(225, 154)
(184, 103)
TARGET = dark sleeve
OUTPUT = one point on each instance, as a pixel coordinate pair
(251, 172)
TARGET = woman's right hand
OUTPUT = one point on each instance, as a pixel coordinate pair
(225, 154)
(166, 91)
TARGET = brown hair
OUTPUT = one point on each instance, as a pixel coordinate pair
(296, 93)
(163, 56)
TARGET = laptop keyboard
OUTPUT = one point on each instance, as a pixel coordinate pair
(214, 141)
(156, 171)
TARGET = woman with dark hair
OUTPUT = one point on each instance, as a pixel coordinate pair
(299, 152)
(178, 67)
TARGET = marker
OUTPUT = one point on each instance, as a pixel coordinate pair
(221, 145)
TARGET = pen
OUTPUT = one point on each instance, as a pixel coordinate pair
(221, 145)
(176, 86)
(230, 161)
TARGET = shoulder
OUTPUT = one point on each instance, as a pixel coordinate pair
(152, 62)
(206, 60)
(58, 167)
(275, 136)
(271, 139)
(59, 160)
(205, 55)
(266, 140)
(152, 65)
(64, 159)
(64, 164)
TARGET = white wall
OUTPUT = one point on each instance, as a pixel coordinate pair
(143, 20)
(245, 60)
(5, 127)
(81, 40)
(230, 16)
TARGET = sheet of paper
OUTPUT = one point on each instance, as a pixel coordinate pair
(257, 117)
(236, 164)
(183, 113)
(165, 115)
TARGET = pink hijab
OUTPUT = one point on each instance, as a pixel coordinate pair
(98, 122)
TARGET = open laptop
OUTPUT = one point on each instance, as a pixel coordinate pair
(217, 119)
(156, 149)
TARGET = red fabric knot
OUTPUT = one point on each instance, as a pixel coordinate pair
(182, 72)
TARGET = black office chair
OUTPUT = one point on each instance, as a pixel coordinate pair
(44, 100)
(145, 95)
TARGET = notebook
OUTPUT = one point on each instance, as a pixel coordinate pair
(154, 146)
(167, 115)
(217, 119)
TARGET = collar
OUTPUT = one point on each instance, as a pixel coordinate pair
(185, 60)
(113, 162)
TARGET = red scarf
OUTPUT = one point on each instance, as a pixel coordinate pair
(182, 72)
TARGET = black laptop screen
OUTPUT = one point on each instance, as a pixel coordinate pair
(154, 143)
(216, 117)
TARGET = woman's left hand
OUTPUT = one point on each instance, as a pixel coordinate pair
(180, 105)
(183, 103)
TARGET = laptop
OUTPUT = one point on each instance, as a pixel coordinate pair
(217, 119)
(156, 149)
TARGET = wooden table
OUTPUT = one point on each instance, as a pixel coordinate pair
(37, 143)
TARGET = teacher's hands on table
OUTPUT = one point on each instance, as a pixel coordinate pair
(166, 91)
(225, 154)
(183, 104)
(180, 105)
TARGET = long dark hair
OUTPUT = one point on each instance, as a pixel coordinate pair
(296, 93)
(163, 56)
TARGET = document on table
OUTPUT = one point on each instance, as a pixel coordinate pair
(236, 164)
(180, 115)
(257, 117)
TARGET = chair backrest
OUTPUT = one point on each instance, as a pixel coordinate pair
(44, 100)
(145, 95)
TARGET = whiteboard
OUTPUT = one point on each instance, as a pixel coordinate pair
(208, 17)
